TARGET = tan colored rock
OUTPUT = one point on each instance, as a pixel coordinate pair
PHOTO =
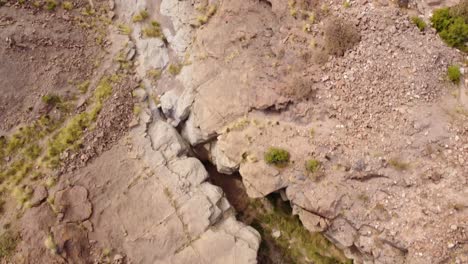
(74, 204)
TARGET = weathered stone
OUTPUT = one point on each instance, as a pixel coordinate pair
(73, 203)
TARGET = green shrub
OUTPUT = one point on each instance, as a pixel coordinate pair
(454, 74)
(174, 69)
(51, 99)
(153, 31)
(51, 5)
(142, 15)
(277, 156)
(451, 24)
(67, 5)
(124, 29)
(419, 22)
(312, 165)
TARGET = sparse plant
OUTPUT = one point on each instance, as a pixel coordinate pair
(37, 4)
(137, 110)
(142, 15)
(174, 69)
(208, 12)
(51, 5)
(153, 30)
(51, 99)
(83, 87)
(8, 241)
(312, 165)
(346, 4)
(340, 36)
(124, 29)
(398, 164)
(277, 156)
(454, 74)
(67, 5)
(419, 22)
(154, 74)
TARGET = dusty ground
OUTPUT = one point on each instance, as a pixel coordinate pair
(42, 52)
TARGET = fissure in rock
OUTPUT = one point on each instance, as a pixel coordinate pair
(284, 238)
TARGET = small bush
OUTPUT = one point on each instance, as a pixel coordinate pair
(451, 24)
(154, 74)
(51, 99)
(124, 29)
(174, 69)
(454, 74)
(398, 164)
(419, 22)
(51, 5)
(312, 165)
(67, 5)
(153, 31)
(142, 15)
(8, 242)
(83, 87)
(340, 36)
(277, 156)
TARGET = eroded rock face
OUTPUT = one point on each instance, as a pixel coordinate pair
(374, 118)
(73, 203)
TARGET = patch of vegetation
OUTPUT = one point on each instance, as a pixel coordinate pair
(340, 36)
(277, 156)
(142, 15)
(312, 165)
(154, 74)
(124, 29)
(67, 5)
(33, 151)
(346, 4)
(8, 242)
(452, 25)
(69, 137)
(398, 164)
(83, 87)
(153, 30)
(51, 5)
(208, 12)
(103, 90)
(454, 74)
(419, 22)
(295, 243)
(51, 99)
(22, 194)
(174, 68)
(37, 4)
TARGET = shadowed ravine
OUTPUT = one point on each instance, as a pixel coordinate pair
(284, 238)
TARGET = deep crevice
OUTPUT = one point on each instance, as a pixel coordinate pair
(284, 238)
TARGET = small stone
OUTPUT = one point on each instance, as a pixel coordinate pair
(118, 257)
(276, 234)
(450, 245)
(453, 227)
